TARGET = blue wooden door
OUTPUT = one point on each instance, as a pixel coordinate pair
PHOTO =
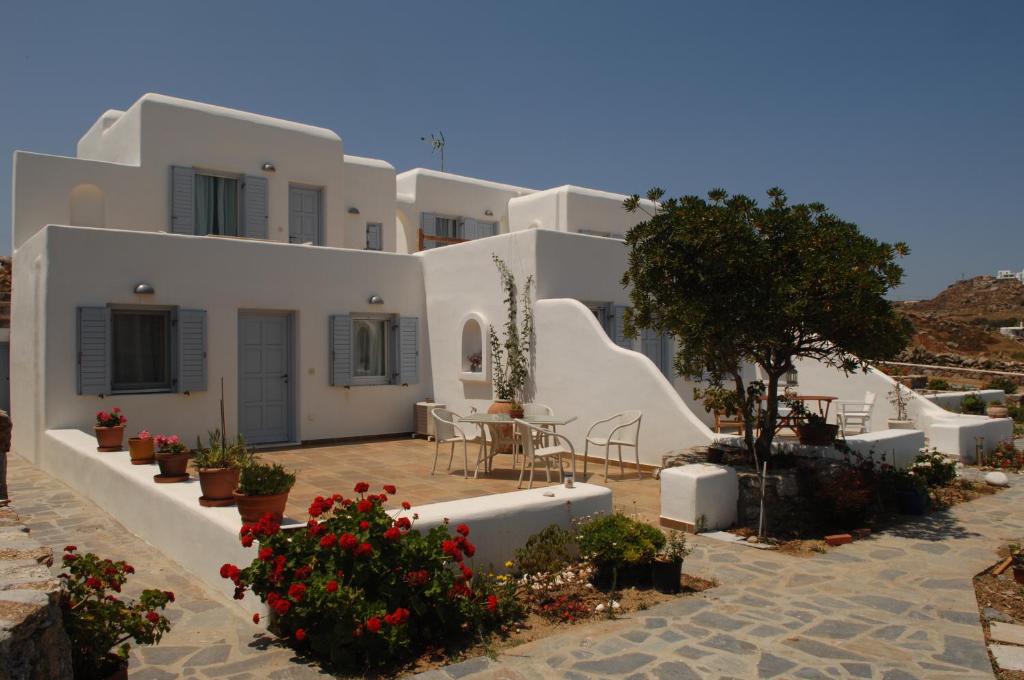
(304, 215)
(265, 383)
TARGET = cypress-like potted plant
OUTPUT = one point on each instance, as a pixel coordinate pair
(109, 430)
(172, 456)
(263, 488)
(219, 465)
(141, 448)
(510, 358)
(667, 570)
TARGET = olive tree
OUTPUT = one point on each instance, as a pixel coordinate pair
(738, 284)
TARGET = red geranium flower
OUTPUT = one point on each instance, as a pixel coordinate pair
(403, 523)
(364, 525)
(296, 591)
(169, 595)
(229, 571)
(300, 634)
(247, 540)
(373, 624)
(256, 617)
(328, 540)
(70, 548)
(364, 549)
(152, 617)
(332, 586)
(362, 487)
(390, 488)
(364, 505)
(406, 505)
(393, 534)
(348, 541)
(463, 529)
(282, 606)
(266, 553)
(492, 602)
(93, 582)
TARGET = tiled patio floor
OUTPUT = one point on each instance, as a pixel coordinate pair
(326, 469)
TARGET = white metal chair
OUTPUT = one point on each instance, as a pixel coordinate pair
(540, 410)
(529, 436)
(447, 431)
(623, 429)
(856, 414)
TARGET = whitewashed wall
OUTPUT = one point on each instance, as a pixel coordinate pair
(370, 189)
(62, 268)
(571, 208)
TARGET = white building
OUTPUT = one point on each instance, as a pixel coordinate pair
(1007, 274)
(188, 246)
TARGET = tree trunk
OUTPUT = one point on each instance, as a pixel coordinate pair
(763, 445)
(748, 413)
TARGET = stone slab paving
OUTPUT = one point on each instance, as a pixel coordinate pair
(896, 606)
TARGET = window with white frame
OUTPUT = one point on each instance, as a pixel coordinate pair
(141, 350)
(371, 349)
(217, 204)
(374, 236)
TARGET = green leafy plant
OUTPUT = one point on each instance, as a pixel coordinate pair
(616, 540)
(972, 403)
(551, 549)
(220, 453)
(675, 547)
(363, 587)
(934, 468)
(264, 479)
(899, 397)
(1005, 384)
(510, 358)
(98, 622)
(938, 384)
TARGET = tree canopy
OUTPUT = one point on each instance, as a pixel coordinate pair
(737, 283)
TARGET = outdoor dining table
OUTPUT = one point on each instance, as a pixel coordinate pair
(482, 420)
(790, 421)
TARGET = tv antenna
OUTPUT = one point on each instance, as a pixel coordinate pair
(436, 143)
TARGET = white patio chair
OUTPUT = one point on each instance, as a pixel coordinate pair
(856, 414)
(623, 429)
(540, 410)
(448, 431)
(529, 435)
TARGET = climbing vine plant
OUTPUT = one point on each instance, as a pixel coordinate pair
(510, 358)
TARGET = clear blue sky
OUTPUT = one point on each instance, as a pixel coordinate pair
(905, 117)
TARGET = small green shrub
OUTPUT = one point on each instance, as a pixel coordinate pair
(551, 549)
(938, 384)
(972, 403)
(1005, 384)
(934, 468)
(617, 540)
(220, 453)
(264, 479)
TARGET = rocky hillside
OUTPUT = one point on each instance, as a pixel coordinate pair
(960, 325)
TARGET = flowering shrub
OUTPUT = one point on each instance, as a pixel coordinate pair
(98, 622)
(112, 418)
(934, 468)
(1007, 457)
(362, 588)
(562, 594)
(616, 540)
(169, 444)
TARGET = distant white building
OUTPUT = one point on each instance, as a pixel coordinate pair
(1007, 274)
(1013, 331)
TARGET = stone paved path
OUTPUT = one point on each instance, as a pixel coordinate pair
(896, 606)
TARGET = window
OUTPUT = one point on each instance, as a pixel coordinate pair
(140, 350)
(370, 350)
(216, 200)
(374, 239)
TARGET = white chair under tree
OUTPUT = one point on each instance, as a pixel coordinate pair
(448, 431)
(621, 429)
(856, 414)
(529, 437)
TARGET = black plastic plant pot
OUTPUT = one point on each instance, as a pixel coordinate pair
(667, 576)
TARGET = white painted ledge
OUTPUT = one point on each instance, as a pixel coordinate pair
(473, 376)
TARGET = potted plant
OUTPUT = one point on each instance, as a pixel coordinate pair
(141, 448)
(110, 430)
(667, 569)
(99, 623)
(621, 550)
(996, 409)
(510, 359)
(900, 400)
(263, 488)
(219, 466)
(910, 493)
(172, 457)
(1017, 560)
(476, 362)
(812, 429)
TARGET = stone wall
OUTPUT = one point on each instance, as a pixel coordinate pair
(33, 644)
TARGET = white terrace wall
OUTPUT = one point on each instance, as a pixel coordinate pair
(578, 370)
(571, 208)
(62, 268)
(126, 158)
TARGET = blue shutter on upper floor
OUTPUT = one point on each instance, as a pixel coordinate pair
(618, 323)
(93, 350)
(655, 346)
(191, 350)
(183, 206)
(374, 240)
(254, 197)
(408, 351)
(340, 348)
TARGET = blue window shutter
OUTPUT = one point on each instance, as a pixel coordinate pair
(191, 350)
(619, 327)
(340, 344)
(93, 350)
(470, 229)
(254, 193)
(650, 346)
(408, 351)
(183, 205)
(491, 229)
(373, 236)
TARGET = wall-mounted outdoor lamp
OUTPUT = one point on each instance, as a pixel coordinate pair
(376, 300)
(353, 211)
(489, 212)
(144, 289)
(269, 167)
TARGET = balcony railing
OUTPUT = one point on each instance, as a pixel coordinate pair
(435, 239)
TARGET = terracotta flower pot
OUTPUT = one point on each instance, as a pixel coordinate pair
(173, 467)
(141, 450)
(816, 435)
(504, 431)
(218, 485)
(252, 508)
(997, 411)
(109, 438)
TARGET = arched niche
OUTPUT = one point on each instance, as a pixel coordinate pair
(86, 206)
(473, 348)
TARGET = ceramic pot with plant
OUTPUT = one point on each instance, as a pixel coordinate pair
(510, 358)
(141, 448)
(98, 622)
(812, 429)
(996, 409)
(110, 430)
(899, 397)
(667, 569)
(172, 456)
(263, 488)
(218, 466)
